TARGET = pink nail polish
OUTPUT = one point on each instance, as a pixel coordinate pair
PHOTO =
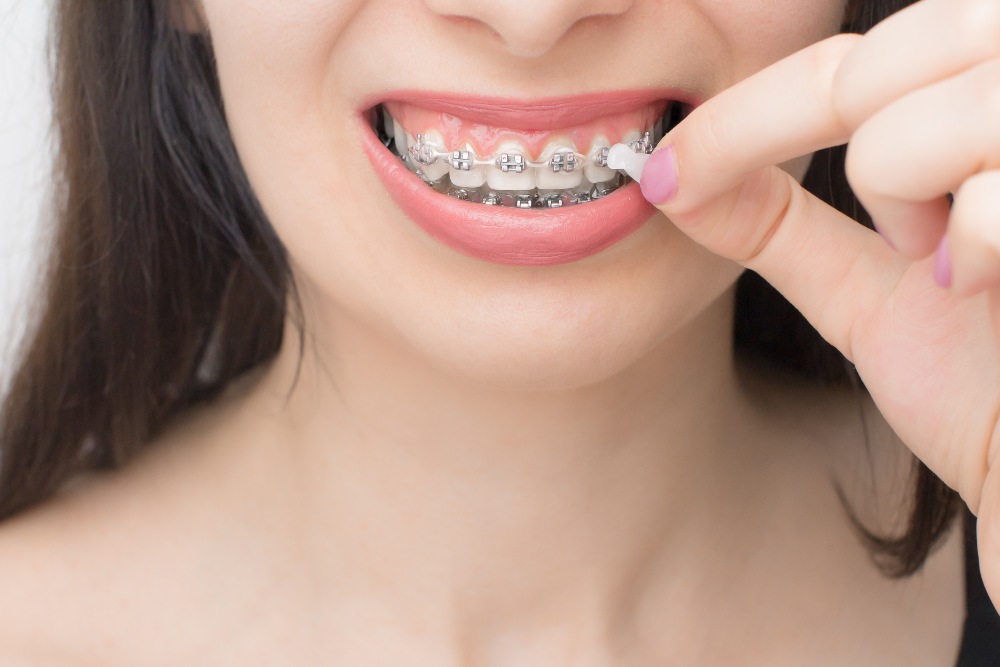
(659, 176)
(942, 264)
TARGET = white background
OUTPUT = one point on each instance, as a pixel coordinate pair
(25, 157)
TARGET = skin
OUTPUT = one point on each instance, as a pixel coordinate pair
(482, 464)
(928, 356)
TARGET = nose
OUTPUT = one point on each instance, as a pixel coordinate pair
(528, 28)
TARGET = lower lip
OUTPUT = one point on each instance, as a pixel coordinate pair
(504, 235)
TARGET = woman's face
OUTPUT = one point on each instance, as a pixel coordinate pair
(544, 297)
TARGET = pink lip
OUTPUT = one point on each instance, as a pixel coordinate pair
(508, 235)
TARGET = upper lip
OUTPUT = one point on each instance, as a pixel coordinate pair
(525, 114)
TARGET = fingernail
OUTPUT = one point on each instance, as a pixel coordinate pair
(884, 237)
(942, 264)
(659, 176)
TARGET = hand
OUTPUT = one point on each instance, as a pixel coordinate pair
(917, 99)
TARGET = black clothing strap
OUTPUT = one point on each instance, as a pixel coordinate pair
(981, 636)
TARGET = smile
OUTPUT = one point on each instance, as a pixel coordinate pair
(524, 183)
(502, 167)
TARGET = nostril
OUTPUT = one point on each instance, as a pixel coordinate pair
(473, 29)
(526, 28)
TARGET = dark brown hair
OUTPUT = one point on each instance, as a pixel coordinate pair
(769, 329)
(166, 281)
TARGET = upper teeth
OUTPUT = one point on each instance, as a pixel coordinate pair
(428, 149)
(560, 175)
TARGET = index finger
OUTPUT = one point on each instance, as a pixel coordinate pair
(780, 113)
(924, 43)
(730, 198)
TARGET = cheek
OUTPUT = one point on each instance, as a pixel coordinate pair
(256, 39)
(760, 32)
(290, 86)
(280, 66)
(274, 61)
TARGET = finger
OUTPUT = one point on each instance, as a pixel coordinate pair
(988, 535)
(782, 112)
(905, 159)
(974, 235)
(709, 177)
(729, 199)
(926, 42)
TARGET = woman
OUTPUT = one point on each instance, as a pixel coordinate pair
(287, 404)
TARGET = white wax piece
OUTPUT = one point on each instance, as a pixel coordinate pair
(623, 158)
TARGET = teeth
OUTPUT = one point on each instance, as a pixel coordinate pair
(388, 124)
(639, 142)
(473, 177)
(570, 173)
(631, 136)
(554, 199)
(499, 179)
(400, 136)
(464, 194)
(561, 176)
(437, 169)
(594, 173)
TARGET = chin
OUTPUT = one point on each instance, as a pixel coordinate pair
(532, 328)
(519, 359)
(565, 335)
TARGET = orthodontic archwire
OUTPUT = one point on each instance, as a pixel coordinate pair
(562, 160)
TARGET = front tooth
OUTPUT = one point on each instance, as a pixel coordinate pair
(547, 179)
(406, 141)
(594, 173)
(630, 136)
(438, 168)
(473, 177)
(510, 180)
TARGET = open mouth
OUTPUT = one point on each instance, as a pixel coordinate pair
(519, 168)
(517, 181)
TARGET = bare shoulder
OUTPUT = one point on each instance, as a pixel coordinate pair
(113, 559)
(53, 567)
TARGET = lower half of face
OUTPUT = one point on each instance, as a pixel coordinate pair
(437, 169)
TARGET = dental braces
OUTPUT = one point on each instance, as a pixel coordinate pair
(563, 160)
(532, 199)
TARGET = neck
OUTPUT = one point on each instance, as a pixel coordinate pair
(506, 504)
